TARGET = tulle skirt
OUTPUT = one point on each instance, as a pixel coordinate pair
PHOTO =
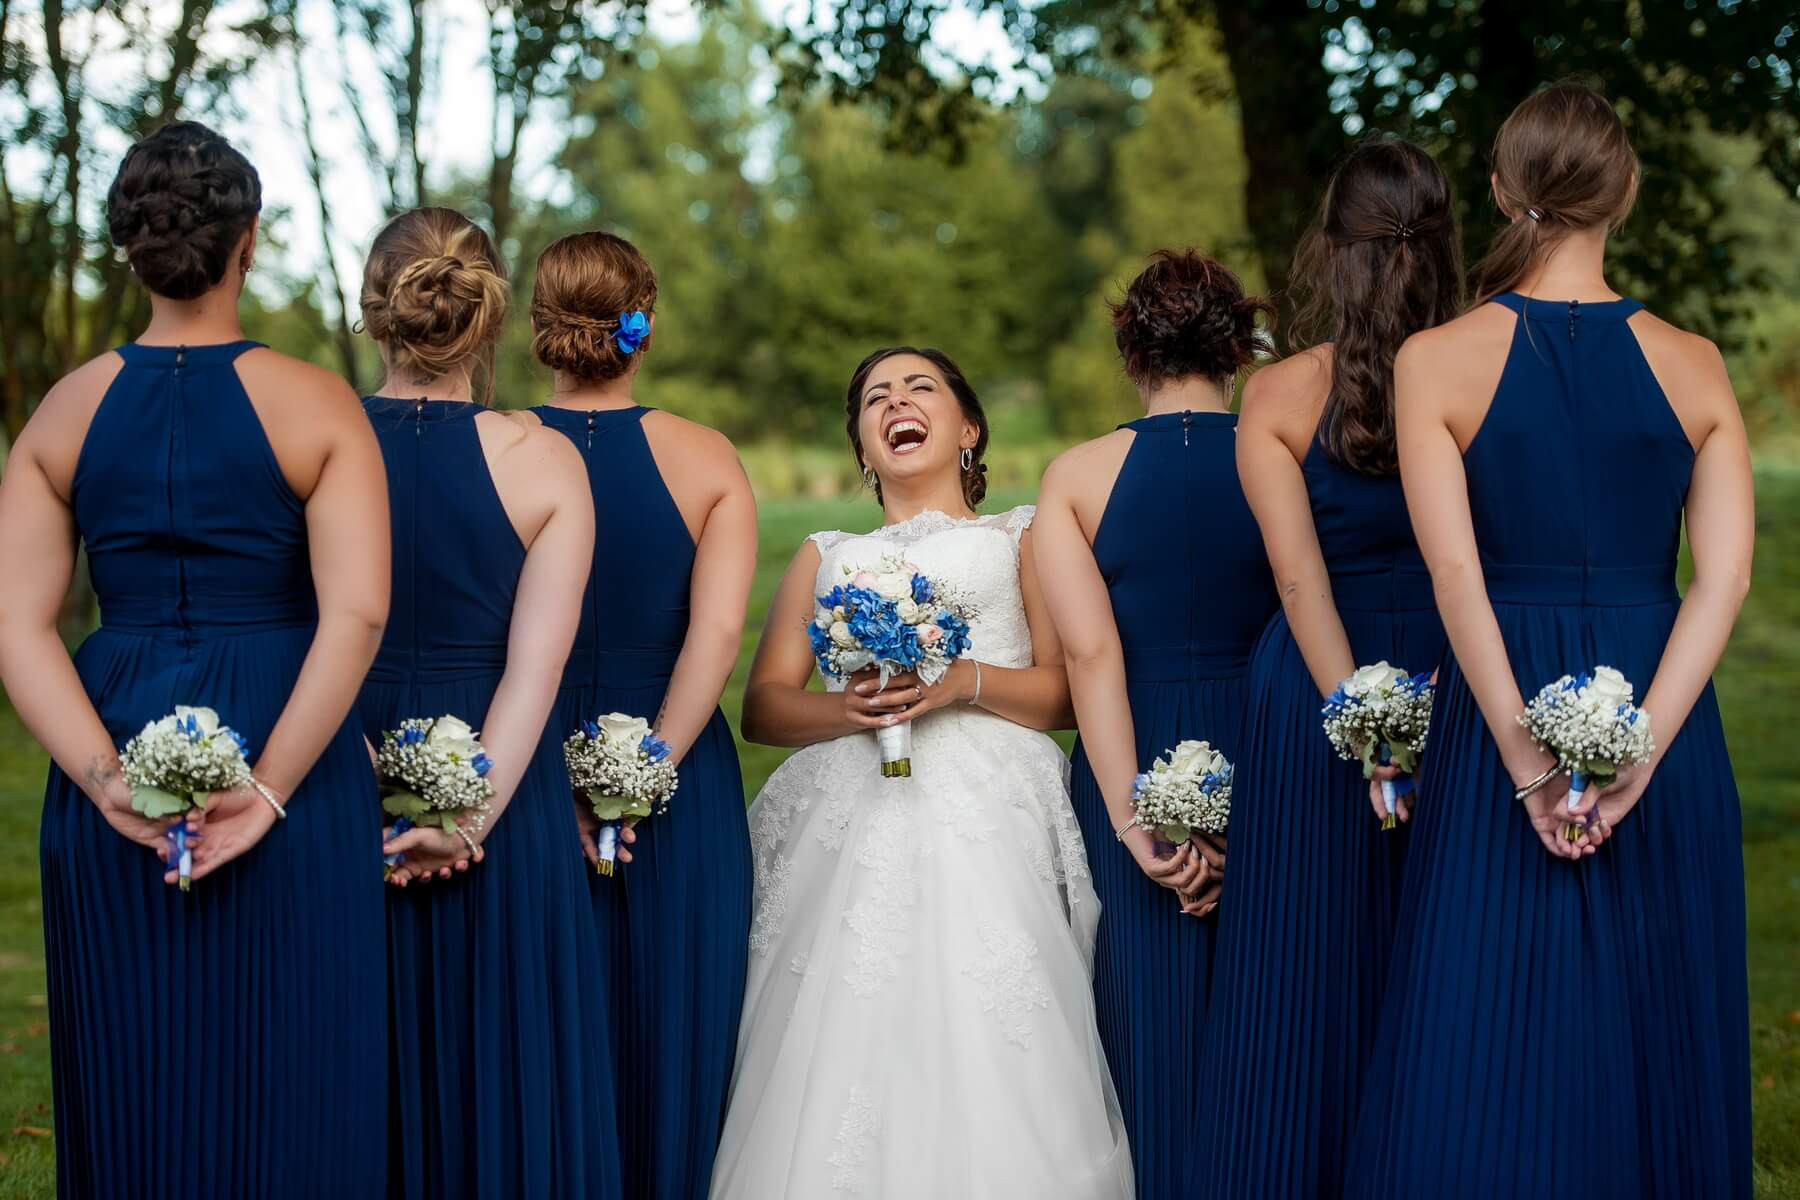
(193, 1036)
(920, 1018)
(1636, 952)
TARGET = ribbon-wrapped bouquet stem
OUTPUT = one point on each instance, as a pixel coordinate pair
(891, 617)
(624, 769)
(1590, 723)
(174, 763)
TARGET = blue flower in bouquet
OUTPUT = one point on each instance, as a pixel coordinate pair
(655, 749)
(412, 735)
(921, 590)
(956, 634)
(634, 327)
(482, 764)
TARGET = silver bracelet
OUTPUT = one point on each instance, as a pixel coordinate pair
(268, 793)
(1537, 784)
(1127, 827)
(976, 698)
(467, 840)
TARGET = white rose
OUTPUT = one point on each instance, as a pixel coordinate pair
(1609, 688)
(1195, 759)
(205, 718)
(893, 585)
(909, 612)
(1373, 679)
(622, 729)
(840, 634)
(454, 734)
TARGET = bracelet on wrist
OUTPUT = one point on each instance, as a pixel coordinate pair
(975, 698)
(1537, 784)
(1127, 827)
(268, 793)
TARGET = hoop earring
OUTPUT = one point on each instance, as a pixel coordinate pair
(869, 480)
(968, 458)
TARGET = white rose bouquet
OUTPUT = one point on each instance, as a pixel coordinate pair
(1186, 791)
(1593, 728)
(433, 772)
(893, 618)
(1380, 716)
(174, 763)
(625, 770)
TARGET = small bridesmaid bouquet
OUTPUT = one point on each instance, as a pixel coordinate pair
(433, 772)
(174, 764)
(1380, 716)
(1186, 791)
(625, 770)
(891, 617)
(1589, 722)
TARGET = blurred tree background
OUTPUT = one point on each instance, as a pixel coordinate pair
(857, 173)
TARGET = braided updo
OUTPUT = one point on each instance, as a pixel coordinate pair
(434, 295)
(1186, 315)
(180, 204)
(585, 283)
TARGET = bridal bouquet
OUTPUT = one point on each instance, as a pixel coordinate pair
(174, 763)
(433, 771)
(1380, 715)
(895, 619)
(1593, 728)
(625, 770)
(1186, 791)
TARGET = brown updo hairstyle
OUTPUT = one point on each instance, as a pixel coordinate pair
(182, 200)
(434, 296)
(585, 283)
(1380, 262)
(1562, 162)
(1184, 316)
(974, 476)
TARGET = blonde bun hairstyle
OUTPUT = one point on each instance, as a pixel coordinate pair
(434, 296)
(590, 306)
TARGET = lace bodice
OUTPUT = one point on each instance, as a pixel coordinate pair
(979, 555)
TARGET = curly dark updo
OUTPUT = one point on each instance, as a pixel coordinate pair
(1184, 316)
(181, 202)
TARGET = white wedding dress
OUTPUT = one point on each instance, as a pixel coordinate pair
(919, 1021)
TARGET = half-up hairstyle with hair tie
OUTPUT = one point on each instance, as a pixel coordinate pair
(591, 306)
(1380, 262)
(1562, 162)
(182, 200)
(434, 296)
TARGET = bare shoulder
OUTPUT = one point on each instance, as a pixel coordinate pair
(1288, 393)
(1461, 343)
(702, 442)
(282, 382)
(1086, 463)
(70, 403)
(1691, 372)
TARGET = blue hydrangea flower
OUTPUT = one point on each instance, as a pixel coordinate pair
(482, 764)
(921, 590)
(634, 327)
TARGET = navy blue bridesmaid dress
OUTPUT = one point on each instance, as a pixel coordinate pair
(1312, 884)
(501, 1059)
(680, 910)
(1191, 592)
(193, 1035)
(1577, 481)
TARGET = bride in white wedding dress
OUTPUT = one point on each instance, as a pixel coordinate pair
(919, 1021)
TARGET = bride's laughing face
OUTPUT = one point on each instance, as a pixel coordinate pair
(912, 426)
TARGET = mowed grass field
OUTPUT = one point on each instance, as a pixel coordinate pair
(1759, 690)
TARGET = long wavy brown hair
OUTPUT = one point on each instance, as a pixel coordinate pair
(1380, 262)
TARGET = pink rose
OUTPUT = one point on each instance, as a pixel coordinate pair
(930, 634)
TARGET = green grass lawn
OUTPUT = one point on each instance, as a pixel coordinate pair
(1759, 690)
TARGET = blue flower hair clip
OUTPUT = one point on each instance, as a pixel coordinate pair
(634, 327)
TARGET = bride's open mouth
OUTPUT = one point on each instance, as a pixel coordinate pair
(906, 435)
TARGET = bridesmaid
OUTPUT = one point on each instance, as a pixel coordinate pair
(500, 1060)
(660, 628)
(1308, 909)
(1592, 995)
(1155, 577)
(224, 493)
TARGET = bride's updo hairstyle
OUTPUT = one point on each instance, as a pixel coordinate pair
(1380, 262)
(1562, 162)
(974, 477)
(590, 306)
(434, 296)
(182, 200)
(1184, 316)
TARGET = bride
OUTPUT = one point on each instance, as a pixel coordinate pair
(919, 1019)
